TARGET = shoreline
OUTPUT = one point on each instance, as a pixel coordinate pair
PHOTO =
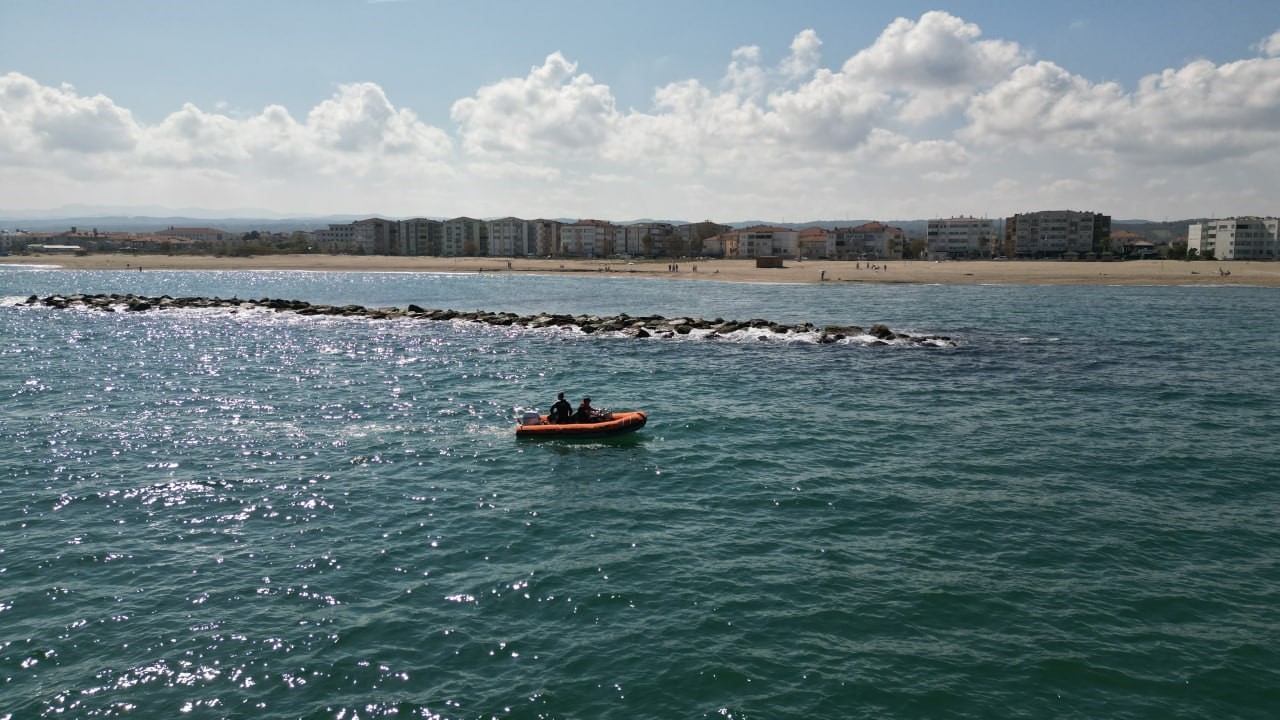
(951, 272)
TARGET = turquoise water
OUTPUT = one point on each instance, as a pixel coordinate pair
(1071, 514)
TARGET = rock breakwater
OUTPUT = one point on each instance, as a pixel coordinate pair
(645, 326)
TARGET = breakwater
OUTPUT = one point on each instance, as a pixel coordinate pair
(625, 325)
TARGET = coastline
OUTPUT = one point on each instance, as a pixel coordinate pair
(954, 272)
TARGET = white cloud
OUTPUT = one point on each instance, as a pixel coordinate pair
(548, 112)
(804, 57)
(35, 119)
(934, 63)
(745, 77)
(1270, 46)
(1196, 114)
(929, 118)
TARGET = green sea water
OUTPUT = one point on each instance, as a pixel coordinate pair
(1072, 513)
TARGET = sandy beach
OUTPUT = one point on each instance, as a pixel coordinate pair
(959, 272)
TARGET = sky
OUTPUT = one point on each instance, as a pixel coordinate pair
(727, 110)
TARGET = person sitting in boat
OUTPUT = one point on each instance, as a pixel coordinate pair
(586, 413)
(561, 411)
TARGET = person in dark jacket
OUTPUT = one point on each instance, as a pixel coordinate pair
(586, 413)
(561, 410)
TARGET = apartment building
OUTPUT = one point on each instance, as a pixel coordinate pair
(961, 237)
(544, 237)
(509, 237)
(763, 241)
(652, 239)
(868, 241)
(376, 236)
(420, 236)
(587, 238)
(1057, 233)
(338, 237)
(816, 242)
(1238, 238)
(464, 236)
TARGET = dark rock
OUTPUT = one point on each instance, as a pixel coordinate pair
(640, 327)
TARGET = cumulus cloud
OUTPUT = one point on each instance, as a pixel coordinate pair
(39, 119)
(934, 64)
(548, 112)
(930, 102)
(804, 57)
(356, 122)
(1270, 46)
(1196, 114)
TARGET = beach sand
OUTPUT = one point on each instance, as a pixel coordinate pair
(957, 272)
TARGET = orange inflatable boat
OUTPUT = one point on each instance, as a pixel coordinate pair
(533, 425)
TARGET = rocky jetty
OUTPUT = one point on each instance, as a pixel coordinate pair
(626, 325)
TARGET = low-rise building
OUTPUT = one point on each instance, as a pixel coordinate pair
(202, 234)
(816, 242)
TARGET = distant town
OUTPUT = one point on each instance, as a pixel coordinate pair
(1049, 234)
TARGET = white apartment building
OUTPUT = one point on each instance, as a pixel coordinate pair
(1241, 238)
(509, 237)
(767, 241)
(1054, 233)
(962, 237)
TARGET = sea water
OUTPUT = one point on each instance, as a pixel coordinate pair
(1071, 513)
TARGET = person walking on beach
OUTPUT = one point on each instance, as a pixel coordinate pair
(561, 410)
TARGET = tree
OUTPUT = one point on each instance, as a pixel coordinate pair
(646, 245)
(675, 245)
(702, 232)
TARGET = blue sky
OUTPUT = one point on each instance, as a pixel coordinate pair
(684, 110)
